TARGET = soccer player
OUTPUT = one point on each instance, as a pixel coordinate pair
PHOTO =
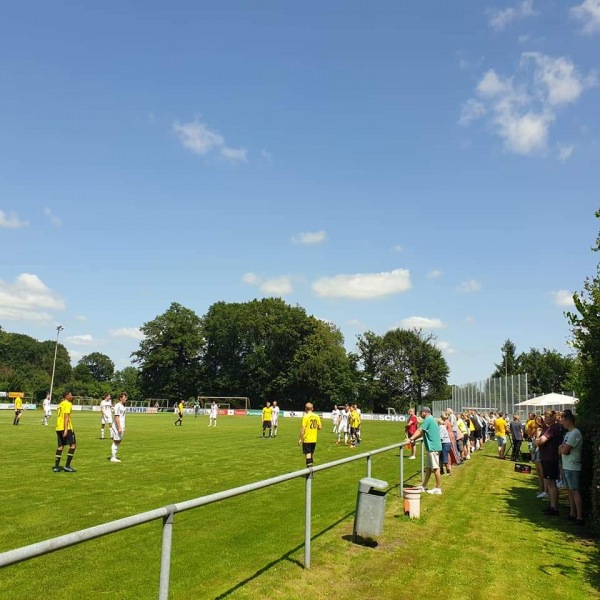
(65, 434)
(106, 417)
(180, 414)
(354, 419)
(118, 427)
(311, 423)
(358, 435)
(196, 409)
(275, 418)
(214, 412)
(335, 417)
(343, 426)
(18, 410)
(267, 415)
(47, 410)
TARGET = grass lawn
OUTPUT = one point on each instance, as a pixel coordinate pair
(484, 536)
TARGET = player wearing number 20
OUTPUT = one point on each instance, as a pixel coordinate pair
(311, 423)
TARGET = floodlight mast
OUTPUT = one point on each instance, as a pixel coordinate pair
(59, 328)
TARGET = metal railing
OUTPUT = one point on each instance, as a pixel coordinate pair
(167, 513)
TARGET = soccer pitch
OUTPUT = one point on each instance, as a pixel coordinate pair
(216, 548)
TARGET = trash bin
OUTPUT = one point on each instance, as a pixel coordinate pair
(412, 502)
(370, 507)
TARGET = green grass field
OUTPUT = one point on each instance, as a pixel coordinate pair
(484, 534)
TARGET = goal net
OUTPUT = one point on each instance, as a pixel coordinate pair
(225, 401)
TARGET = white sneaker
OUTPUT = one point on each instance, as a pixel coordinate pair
(559, 484)
(412, 458)
(114, 459)
(435, 491)
(542, 495)
(420, 488)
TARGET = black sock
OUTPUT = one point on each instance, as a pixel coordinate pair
(309, 462)
(57, 457)
(70, 456)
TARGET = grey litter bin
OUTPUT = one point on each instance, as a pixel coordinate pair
(370, 507)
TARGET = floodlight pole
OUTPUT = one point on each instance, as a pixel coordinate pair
(59, 328)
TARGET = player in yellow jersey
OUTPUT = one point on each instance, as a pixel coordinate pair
(179, 413)
(267, 419)
(18, 410)
(354, 426)
(311, 423)
(64, 433)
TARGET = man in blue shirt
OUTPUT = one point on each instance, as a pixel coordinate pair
(430, 433)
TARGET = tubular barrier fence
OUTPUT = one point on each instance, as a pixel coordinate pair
(167, 514)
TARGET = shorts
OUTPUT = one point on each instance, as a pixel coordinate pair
(309, 448)
(116, 436)
(445, 452)
(571, 478)
(106, 420)
(460, 445)
(267, 425)
(550, 469)
(501, 439)
(18, 412)
(343, 429)
(433, 460)
(353, 430)
(477, 434)
(69, 440)
(48, 413)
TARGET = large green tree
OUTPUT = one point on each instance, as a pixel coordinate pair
(547, 371)
(100, 366)
(401, 368)
(169, 355)
(510, 361)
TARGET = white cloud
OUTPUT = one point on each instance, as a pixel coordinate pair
(470, 320)
(363, 286)
(355, 323)
(421, 323)
(469, 286)
(278, 286)
(198, 138)
(521, 109)
(28, 299)
(310, 237)
(81, 318)
(499, 18)
(563, 298)
(565, 152)
(127, 332)
(81, 340)
(398, 248)
(10, 220)
(434, 274)
(445, 347)
(56, 221)
(251, 278)
(588, 12)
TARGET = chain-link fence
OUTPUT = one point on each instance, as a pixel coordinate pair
(494, 394)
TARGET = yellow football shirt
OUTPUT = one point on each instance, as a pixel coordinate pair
(180, 408)
(354, 419)
(311, 424)
(64, 408)
(267, 413)
(500, 427)
(18, 403)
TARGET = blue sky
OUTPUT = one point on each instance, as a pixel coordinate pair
(381, 164)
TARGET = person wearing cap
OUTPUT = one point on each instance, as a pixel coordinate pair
(430, 433)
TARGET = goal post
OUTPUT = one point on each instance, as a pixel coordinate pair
(234, 402)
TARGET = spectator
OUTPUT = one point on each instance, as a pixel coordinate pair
(412, 425)
(430, 432)
(500, 427)
(516, 432)
(446, 445)
(463, 443)
(548, 443)
(571, 461)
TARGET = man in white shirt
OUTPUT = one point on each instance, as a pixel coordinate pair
(118, 427)
(343, 426)
(106, 417)
(335, 416)
(214, 413)
(275, 418)
(47, 410)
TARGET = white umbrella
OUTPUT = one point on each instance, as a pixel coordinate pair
(552, 399)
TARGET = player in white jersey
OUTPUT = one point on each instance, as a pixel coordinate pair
(118, 427)
(344, 425)
(335, 416)
(275, 418)
(106, 417)
(214, 413)
(47, 410)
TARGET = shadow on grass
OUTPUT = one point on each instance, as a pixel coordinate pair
(521, 502)
(287, 556)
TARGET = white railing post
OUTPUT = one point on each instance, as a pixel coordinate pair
(369, 466)
(165, 556)
(401, 486)
(307, 519)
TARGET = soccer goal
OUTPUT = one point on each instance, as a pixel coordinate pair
(225, 401)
